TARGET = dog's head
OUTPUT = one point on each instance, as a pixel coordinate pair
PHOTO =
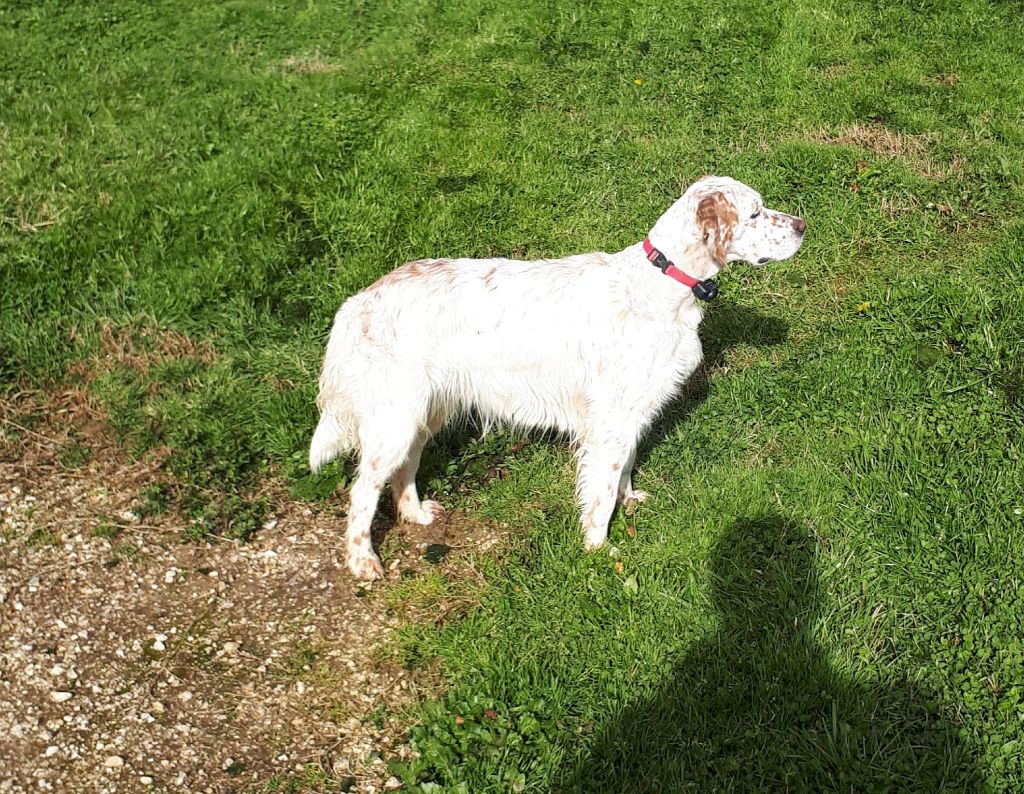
(719, 220)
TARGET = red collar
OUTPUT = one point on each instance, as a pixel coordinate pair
(705, 290)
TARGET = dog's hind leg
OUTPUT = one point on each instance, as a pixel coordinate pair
(403, 483)
(386, 444)
(601, 466)
(625, 490)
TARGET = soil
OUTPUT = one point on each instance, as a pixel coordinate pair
(131, 660)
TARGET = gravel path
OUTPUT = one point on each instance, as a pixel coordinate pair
(131, 661)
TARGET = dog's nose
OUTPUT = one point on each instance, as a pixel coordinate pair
(799, 225)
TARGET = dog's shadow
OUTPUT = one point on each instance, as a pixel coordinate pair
(758, 706)
(726, 325)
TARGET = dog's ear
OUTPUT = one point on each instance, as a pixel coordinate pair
(716, 218)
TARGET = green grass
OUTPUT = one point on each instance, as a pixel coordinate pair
(825, 590)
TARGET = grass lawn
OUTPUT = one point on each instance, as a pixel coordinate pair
(825, 590)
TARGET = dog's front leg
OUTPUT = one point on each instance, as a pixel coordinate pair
(598, 484)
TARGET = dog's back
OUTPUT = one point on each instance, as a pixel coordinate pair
(515, 341)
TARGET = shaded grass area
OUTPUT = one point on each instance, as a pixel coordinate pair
(850, 459)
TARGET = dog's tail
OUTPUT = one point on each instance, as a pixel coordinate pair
(331, 439)
(338, 429)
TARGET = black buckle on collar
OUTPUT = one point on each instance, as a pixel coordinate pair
(660, 261)
(706, 290)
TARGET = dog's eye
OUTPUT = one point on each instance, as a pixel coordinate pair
(756, 214)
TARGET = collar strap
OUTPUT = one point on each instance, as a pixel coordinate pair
(705, 290)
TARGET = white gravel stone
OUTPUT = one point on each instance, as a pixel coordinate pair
(60, 697)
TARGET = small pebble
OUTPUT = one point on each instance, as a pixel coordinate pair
(60, 697)
(114, 762)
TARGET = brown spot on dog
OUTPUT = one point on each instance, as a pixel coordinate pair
(716, 218)
(413, 271)
(580, 404)
(616, 466)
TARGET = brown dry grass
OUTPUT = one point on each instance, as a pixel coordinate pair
(35, 218)
(917, 150)
(835, 70)
(308, 64)
(139, 346)
(877, 139)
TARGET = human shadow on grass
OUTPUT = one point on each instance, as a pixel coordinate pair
(757, 706)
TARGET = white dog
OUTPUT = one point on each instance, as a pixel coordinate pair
(591, 345)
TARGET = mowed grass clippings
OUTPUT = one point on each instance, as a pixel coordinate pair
(824, 591)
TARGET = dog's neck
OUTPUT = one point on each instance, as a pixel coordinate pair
(676, 237)
(651, 287)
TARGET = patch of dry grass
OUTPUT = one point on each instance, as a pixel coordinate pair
(877, 139)
(919, 151)
(308, 64)
(139, 346)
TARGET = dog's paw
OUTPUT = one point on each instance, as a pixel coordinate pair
(365, 566)
(427, 512)
(635, 497)
(593, 539)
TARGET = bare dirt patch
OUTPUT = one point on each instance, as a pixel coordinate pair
(131, 661)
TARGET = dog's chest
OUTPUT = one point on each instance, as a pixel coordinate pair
(690, 317)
